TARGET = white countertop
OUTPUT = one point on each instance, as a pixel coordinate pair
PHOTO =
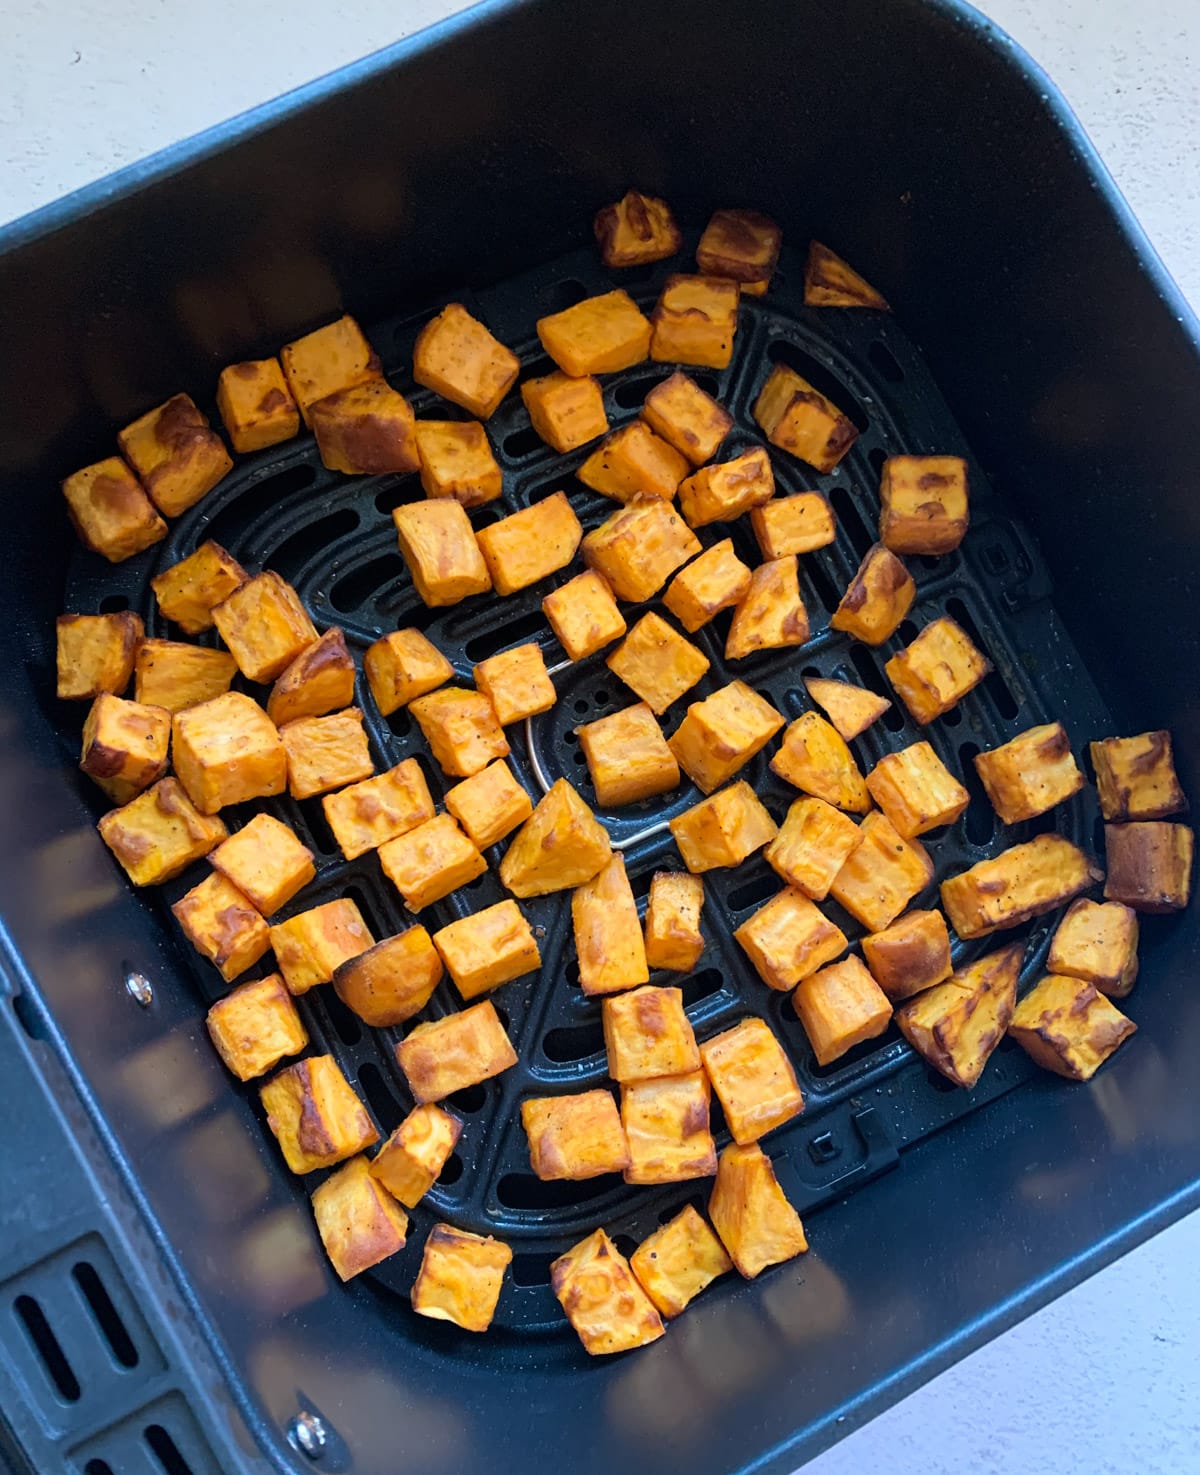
(1104, 1380)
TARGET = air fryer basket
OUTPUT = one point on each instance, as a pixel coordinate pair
(1016, 326)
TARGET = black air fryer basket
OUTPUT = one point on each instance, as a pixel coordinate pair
(164, 1303)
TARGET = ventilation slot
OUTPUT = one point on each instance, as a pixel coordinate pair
(751, 893)
(166, 1451)
(387, 1110)
(48, 1348)
(868, 673)
(994, 684)
(524, 1191)
(564, 294)
(505, 635)
(397, 493)
(979, 822)
(531, 1270)
(822, 584)
(877, 457)
(246, 507)
(451, 1172)
(470, 1099)
(522, 443)
(344, 1020)
(28, 1017)
(113, 604)
(701, 985)
(577, 1043)
(821, 379)
(367, 582)
(108, 1318)
(295, 551)
(632, 394)
(881, 356)
(97, 1467)
(849, 516)
(320, 835)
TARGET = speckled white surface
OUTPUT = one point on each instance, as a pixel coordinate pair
(1106, 1379)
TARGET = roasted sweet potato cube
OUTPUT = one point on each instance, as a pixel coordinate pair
(713, 582)
(1067, 1026)
(311, 946)
(751, 1213)
(685, 417)
(411, 1160)
(958, 1024)
(672, 927)
(264, 625)
(882, 874)
(1149, 865)
(460, 1277)
(916, 790)
(125, 746)
(1029, 774)
(489, 804)
(627, 757)
(639, 547)
(366, 430)
(109, 510)
(461, 729)
(174, 675)
(721, 734)
(1097, 941)
(789, 938)
(531, 544)
(460, 1050)
(636, 230)
(334, 357)
(577, 1136)
(96, 653)
(722, 492)
(159, 834)
(604, 1303)
(723, 829)
(565, 412)
(695, 321)
(1136, 777)
(516, 683)
(596, 336)
(359, 1222)
(753, 1079)
(910, 955)
(647, 1034)
(255, 1027)
(266, 862)
(608, 934)
(459, 359)
(830, 282)
(320, 680)
(325, 753)
(675, 1263)
(840, 1007)
(584, 615)
(813, 757)
(457, 461)
(392, 981)
(560, 845)
(256, 405)
(937, 670)
(632, 462)
(439, 547)
(1024, 881)
(811, 846)
(366, 815)
(178, 459)
(404, 665)
(923, 504)
(877, 599)
(771, 614)
(226, 751)
(222, 925)
(657, 663)
(796, 524)
(315, 1115)
(851, 709)
(488, 948)
(666, 1121)
(741, 244)
(189, 590)
(799, 419)
(430, 861)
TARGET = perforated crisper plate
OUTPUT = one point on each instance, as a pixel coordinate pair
(333, 537)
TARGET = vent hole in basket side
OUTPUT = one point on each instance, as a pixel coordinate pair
(366, 582)
(532, 1270)
(884, 360)
(821, 378)
(524, 1191)
(863, 659)
(387, 1110)
(48, 1348)
(993, 683)
(849, 516)
(979, 822)
(30, 1020)
(108, 1318)
(505, 635)
(574, 1043)
(97, 1467)
(294, 551)
(166, 1451)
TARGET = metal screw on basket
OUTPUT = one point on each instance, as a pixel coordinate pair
(306, 1432)
(139, 988)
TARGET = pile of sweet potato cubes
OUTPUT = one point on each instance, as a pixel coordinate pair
(849, 836)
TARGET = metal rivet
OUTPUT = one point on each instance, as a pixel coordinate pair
(306, 1432)
(138, 987)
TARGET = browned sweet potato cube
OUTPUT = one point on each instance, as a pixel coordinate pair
(771, 614)
(159, 834)
(368, 814)
(789, 938)
(753, 1079)
(560, 845)
(109, 510)
(359, 1222)
(565, 412)
(459, 359)
(577, 1136)
(1068, 1027)
(460, 1050)
(923, 504)
(722, 733)
(325, 753)
(256, 405)
(460, 1277)
(632, 462)
(675, 1263)
(666, 1121)
(713, 582)
(189, 590)
(627, 757)
(799, 419)
(516, 683)
(1023, 882)
(830, 282)
(409, 1162)
(636, 230)
(125, 746)
(320, 680)
(392, 981)
(366, 430)
(881, 874)
(1029, 774)
(264, 625)
(812, 846)
(851, 709)
(916, 790)
(178, 459)
(723, 829)
(840, 1007)
(1097, 941)
(751, 1213)
(937, 670)
(488, 948)
(608, 934)
(266, 862)
(639, 547)
(334, 357)
(722, 492)
(878, 598)
(404, 665)
(796, 524)
(604, 1303)
(672, 927)
(1149, 865)
(596, 336)
(584, 615)
(430, 861)
(256, 1026)
(96, 653)
(226, 751)
(531, 544)
(687, 418)
(647, 1034)
(311, 946)
(910, 955)
(489, 804)
(457, 461)
(695, 320)
(315, 1115)
(958, 1024)
(438, 545)
(813, 757)
(1136, 777)
(461, 729)
(657, 663)
(174, 675)
(222, 925)
(743, 245)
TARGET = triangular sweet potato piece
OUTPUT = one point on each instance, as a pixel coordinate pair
(851, 709)
(957, 1024)
(771, 614)
(830, 282)
(560, 845)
